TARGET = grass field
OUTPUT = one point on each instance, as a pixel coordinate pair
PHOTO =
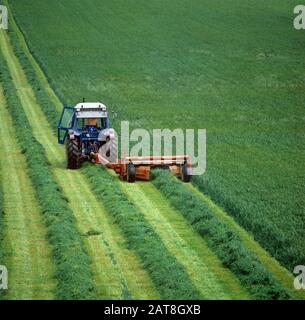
(240, 78)
(232, 67)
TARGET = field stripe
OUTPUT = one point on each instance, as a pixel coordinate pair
(29, 259)
(272, 265)
(205, 270)
(138, 281)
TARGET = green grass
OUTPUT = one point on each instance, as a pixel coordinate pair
(27, 251)
(235, 68)
(206, 271)
(73, 271)
(169, 277)
(223, 240)
(279, 272)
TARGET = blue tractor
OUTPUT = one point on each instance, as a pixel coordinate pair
(85, 130)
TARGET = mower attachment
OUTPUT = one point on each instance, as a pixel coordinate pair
(138, 168)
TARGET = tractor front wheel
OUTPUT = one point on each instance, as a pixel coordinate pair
(73, 154)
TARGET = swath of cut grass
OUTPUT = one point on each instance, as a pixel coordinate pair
(168, 275)
(73, 272)
(221, 238)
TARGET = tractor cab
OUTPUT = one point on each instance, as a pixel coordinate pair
(85, 120)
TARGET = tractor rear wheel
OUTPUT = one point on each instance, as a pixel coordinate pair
(131, 173)
(73, 154)
(185, 176)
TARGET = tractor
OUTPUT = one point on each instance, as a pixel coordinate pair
(85, 130)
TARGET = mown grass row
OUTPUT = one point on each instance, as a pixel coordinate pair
(73, 265)
(221, 238)
(168, 275)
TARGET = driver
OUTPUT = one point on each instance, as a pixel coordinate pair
(91, 122)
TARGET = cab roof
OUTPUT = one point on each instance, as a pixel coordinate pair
(90, 105)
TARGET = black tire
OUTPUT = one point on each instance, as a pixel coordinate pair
(185, 176)
(73, 154)
(131, 173)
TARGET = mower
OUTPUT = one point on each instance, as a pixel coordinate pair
(86, 132)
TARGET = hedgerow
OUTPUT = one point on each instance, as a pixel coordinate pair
(223, 241)
(73, 266)
(167, 274)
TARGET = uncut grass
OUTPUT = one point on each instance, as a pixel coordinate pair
(73, 270)
(233, 68)
(221, 238)
(169, 277)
